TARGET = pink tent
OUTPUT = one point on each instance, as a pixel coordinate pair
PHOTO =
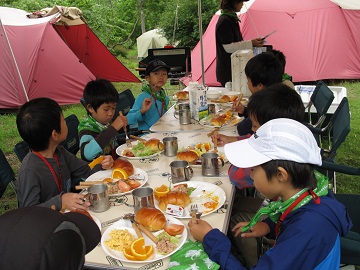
(320, 40)
(51, 56)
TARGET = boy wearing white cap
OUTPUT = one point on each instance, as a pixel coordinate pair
(305, 220)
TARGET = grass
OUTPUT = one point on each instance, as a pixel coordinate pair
(348, 153)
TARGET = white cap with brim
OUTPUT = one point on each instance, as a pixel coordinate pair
(278, 139)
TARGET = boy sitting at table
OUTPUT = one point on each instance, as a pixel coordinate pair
(153, 102)
(97, 131)
(304, 219)
(261, 71)
(46, 174)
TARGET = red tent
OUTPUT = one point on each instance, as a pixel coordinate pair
(51, 56)
(319, 39)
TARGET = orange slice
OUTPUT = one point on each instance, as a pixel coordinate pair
(119, 173)
(96, 161)
(204, 146)
(161, 191)
(128, 254)
(140, 251)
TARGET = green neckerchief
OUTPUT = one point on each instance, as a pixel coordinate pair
(91, 124)
(230, 14)
(160, 96)
(286, 77)
(276, 208)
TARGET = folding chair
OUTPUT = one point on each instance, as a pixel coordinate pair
(72, 141)
(321, 99)
(21, 149)
(7, 177)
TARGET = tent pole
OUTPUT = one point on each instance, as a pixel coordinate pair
(201, 42)
(13, 57)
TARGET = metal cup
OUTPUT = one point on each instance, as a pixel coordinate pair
(180, 171)
(143, 197)
(99, 198)
(170, 146)
(184, 117)
(210, 164)
(184, 106)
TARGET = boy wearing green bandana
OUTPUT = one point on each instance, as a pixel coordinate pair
(96, 131)
(153, 102)
(304, 218)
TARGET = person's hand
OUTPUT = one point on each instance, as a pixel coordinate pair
(258, 42)
(259, 229)
(120, 122)
(239, 108)
(107, 162)
(200, 229)
(72, 201)
(146, 105)
(223, 139)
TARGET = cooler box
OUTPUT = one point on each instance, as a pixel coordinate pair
(305, 91)
(238, 63)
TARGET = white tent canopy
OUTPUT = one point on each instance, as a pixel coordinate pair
(150, 40)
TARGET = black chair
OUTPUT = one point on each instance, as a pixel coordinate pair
(321, 99)
(7, 176)
(72, 141)
(21, 149)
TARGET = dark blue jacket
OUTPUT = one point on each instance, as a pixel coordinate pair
(309, 239)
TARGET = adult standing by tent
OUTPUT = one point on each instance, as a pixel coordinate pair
(229, 38)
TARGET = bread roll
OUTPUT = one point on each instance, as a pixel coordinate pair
(182, 95)
(224, 99)
(154, 144)
(217, 121)
(124, 164)
(187, 155)
(175, 198)
(151, 218)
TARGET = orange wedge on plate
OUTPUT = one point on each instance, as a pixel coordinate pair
(161, 191)
(140, 251)
(119, 173)
(128, 254)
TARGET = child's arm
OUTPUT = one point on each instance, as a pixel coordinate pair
(120, 122)
(135, 115)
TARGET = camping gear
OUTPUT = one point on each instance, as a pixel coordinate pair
(52, 54)
(150, 40)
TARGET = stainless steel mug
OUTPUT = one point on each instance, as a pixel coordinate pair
(99, 198)
(143, 197)
(170, 146)
(184, 106)
(180, 171)
(184, 117)
(210, 164)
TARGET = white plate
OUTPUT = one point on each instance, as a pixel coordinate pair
(138, 174)
(203, 193)
(236, 119)
(126, 224)
(122, 147)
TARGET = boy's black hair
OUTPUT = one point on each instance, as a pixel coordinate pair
(302, 175)
(36, 121)
(230, 4)
(264, 68)
(276, 101)
(98, 92)
(280, 55)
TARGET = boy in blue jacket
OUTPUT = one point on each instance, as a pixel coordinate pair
(305, 221)
(153, 102)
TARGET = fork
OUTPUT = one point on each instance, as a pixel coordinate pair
(195, 214)
(128, 142)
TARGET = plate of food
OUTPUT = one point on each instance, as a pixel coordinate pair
(141, 149)
(117, 240)
(208, 198)
(193, 152)
(227, 119)
(118, 182)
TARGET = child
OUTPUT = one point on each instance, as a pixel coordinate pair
(261, 71)
(153, 102)
(286, 78)
(306, 221)
(97, 132)
(46, 173)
